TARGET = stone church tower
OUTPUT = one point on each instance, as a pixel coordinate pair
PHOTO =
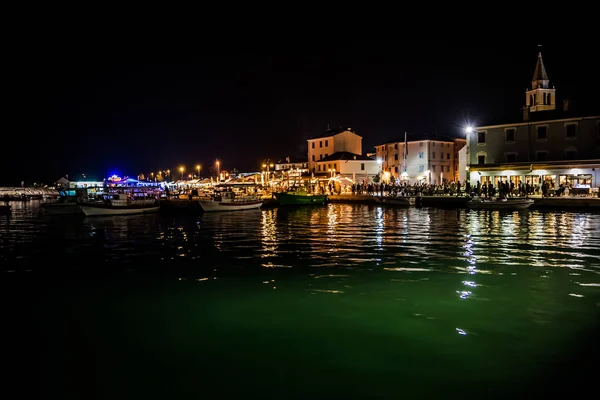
(541, 97)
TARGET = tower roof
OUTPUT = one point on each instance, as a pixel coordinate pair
(540, 71)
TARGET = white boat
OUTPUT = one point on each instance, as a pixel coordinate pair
(399, 201)
(228, 200)
(478, 203)
(120, 204)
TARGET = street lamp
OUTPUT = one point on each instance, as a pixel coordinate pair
(218, 170)
(468, 130)
(181, 170)
(267, 165)
(198, 169)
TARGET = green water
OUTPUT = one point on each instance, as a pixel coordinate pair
(427, 319)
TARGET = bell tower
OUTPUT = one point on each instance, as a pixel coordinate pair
(541, 97)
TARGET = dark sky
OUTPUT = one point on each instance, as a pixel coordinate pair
(129, 108)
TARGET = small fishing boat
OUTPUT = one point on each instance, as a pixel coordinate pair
(478, 203)
(228, 200)
(398, 201)
(299, 197)
(120, 204)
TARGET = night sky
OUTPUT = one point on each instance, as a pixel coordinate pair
(127, 109)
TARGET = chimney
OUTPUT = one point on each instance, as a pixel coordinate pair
(566, 105)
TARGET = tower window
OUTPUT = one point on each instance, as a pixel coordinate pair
(481, 159)
(571, 131)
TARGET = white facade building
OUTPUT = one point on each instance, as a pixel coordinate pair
(332, 141)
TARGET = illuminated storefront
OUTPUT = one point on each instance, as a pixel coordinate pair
(580, 175)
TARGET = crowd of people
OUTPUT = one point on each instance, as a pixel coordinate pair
(504, 189)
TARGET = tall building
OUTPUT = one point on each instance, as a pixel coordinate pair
(429, 160)
(541, 97)
(330, 142)
(559, 145)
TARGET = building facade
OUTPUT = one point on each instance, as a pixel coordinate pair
(549, 145)
(429, 161)
(289, 163)
(344, 164)
(332, 141)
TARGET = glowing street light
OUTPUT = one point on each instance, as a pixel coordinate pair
(267, 165)
(469, 130)
(218, 170)
(198, 169)
(181, 170)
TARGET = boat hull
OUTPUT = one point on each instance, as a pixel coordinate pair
(179, 205)
(287, 199)
(61, 208)
(216, 205)
(396, 201)
(92, 210)
(500, 204)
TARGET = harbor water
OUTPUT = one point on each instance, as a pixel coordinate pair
(334, 301)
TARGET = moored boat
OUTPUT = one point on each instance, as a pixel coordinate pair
(399, 201)
(67, 203)
(228, 200)
(299, 197)
(478, 203)
(182, 202)
(120, 204)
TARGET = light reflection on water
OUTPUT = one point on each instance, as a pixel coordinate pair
(344, 236)
(416, 295)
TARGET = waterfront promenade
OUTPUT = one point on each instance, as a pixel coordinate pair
(558, 203)
(27, 192)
